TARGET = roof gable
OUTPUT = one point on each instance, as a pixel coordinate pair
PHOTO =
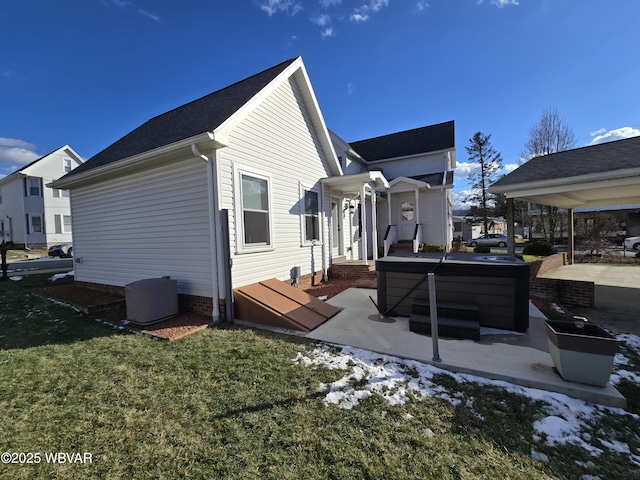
(194, 118)
(431, 138)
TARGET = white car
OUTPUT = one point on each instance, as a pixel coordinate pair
(632, 243)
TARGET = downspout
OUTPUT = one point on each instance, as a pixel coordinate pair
(215, 314)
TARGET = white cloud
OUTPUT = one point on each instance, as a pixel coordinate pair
(362, 13)
(15, 153)
(291, 7)
(351, 87)
(329, 3)
(144, 13)
(500, 3)
(465, 168)
(328, 32)
(422, 6)
(603, 136)
(510, 167)
(322, 20)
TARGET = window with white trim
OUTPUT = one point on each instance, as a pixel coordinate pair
(256, 221)
(62, 223)
(311, 219)
(35, 223)
(34, 187)
(67, 165)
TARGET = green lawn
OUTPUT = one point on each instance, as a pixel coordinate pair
(232, 403)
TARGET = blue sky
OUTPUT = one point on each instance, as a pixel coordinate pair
(86, 72)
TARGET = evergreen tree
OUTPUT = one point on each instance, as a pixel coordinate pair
(489, 161)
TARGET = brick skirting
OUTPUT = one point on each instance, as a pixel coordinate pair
(351, 271)
(568, 292)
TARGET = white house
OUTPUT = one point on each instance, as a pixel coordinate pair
(247, 177)
(32, 214)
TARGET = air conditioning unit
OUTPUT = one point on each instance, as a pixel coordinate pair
(151, 300)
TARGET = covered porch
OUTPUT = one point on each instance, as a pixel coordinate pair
(355, 192)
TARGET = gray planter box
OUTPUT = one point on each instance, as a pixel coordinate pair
(582, 355)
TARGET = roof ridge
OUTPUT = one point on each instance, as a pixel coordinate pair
(291, 60)
(404, 131)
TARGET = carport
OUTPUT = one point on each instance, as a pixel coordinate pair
(593, 176)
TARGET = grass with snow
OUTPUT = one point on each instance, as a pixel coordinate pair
(240, 403)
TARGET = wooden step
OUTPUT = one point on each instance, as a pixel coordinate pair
(463, 311)
(447, 327)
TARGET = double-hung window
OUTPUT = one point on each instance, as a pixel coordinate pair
(32, 187)
(311, 223)
(256, 221)
(35, 223)
(67, 165)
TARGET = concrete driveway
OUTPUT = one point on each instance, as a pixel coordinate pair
(617, 294)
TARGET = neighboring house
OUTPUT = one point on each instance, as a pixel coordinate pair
(467, 228)
(31, 214)
(258, 152)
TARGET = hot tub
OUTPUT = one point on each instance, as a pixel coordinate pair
(497, 284)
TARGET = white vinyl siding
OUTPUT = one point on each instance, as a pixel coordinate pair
(277, 139)
(148, 224)
(412, 166)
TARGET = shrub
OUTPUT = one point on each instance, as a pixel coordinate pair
(540, 249)
(482, 249)
(638, 254)
(432, 248)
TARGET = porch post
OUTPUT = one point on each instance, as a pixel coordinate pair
(511, 234)
(363, 221)
(416, 210)
(571, 245)
(389, 206)
(374, 222)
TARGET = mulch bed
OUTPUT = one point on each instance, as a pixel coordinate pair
(180, 326)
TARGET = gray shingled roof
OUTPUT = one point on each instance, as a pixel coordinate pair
(194, 118)
(435, 179)
(410, 142)
(601, 158)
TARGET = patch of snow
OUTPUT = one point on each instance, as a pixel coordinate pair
(323, 297)
(58, 276)
(557, 307)
(15, 278)
(563, 420)
(539, 456)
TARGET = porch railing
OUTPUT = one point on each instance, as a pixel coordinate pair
(390, 237)
(417, 237)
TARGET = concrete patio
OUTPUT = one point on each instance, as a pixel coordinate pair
(519, 358)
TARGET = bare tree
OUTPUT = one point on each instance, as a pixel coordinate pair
(550, 135)
(489, 162)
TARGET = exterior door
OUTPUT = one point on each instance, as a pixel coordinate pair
(407, 222)
(337, 241)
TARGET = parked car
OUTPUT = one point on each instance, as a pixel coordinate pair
(632, 243)
(62, 250)
(490, 240)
